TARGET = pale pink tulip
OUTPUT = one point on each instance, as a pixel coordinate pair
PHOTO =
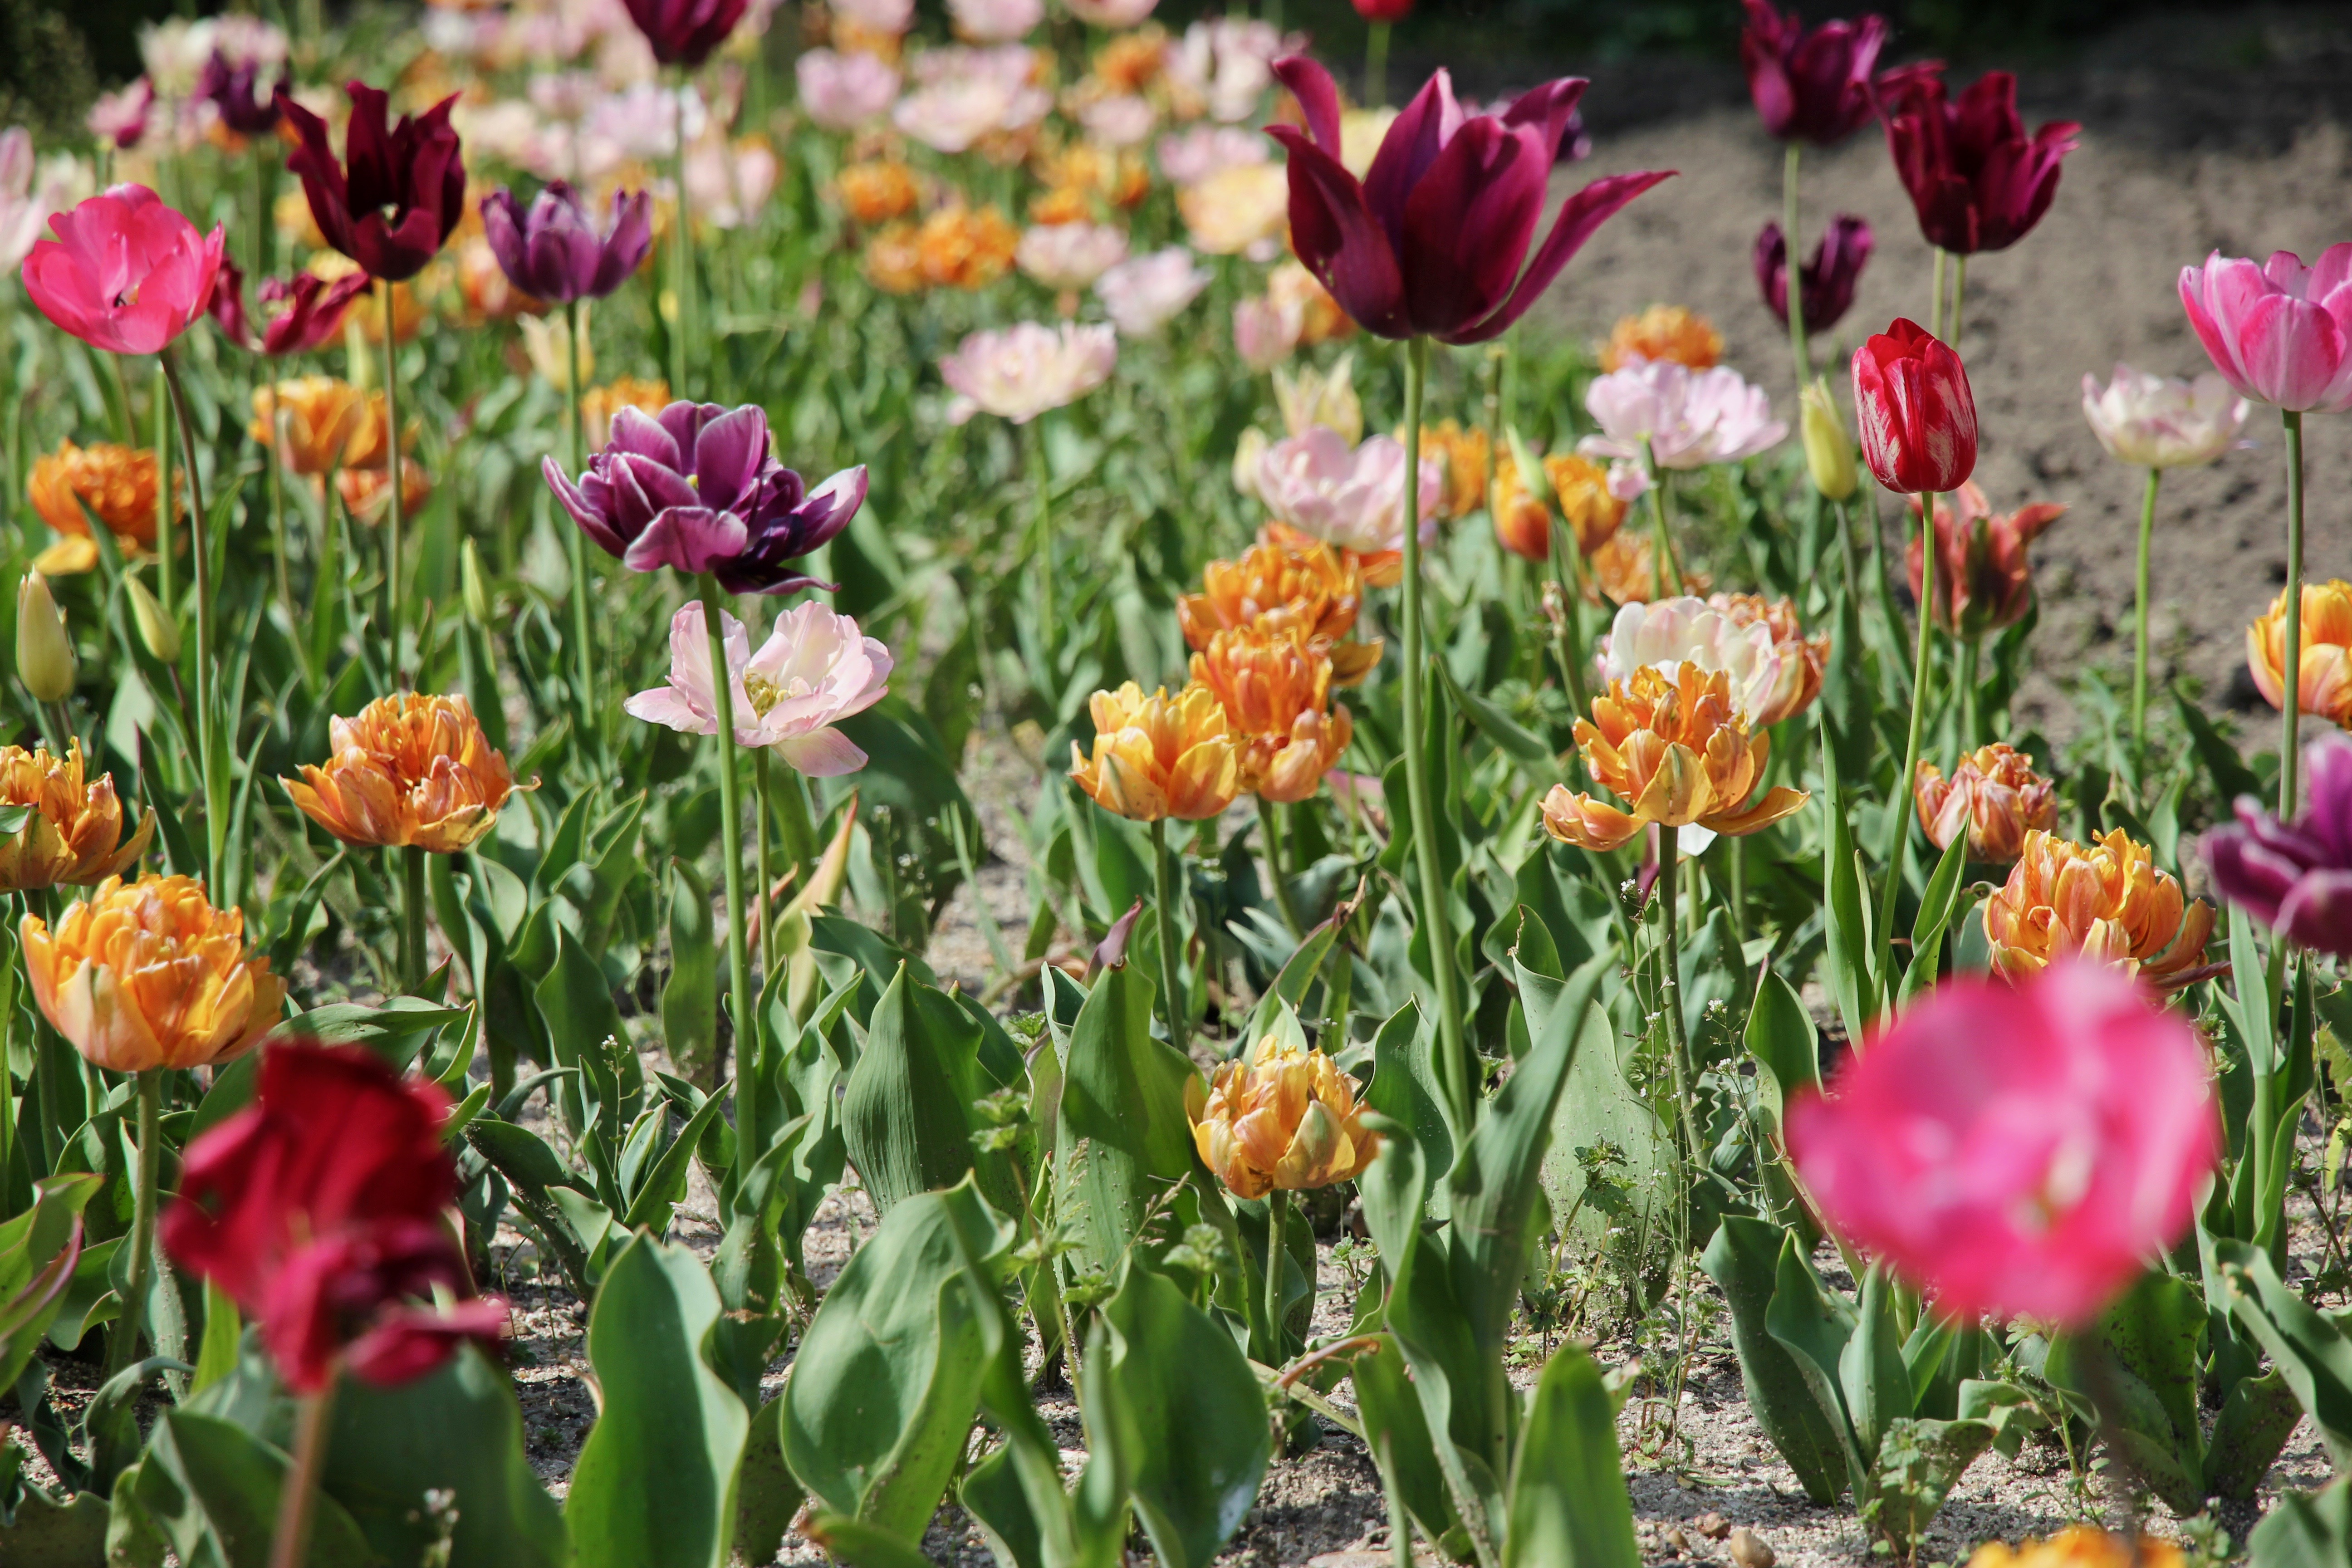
(29, 192)
(1113, 12)
(2279, 331)
(1691, 418)
(814, 671)
(963, 95)
(120, 117)
(1226, 67)
(1019, 372)
(1194, 155)
(1352, 497)
(1122, 119)
(996, 21)
(126, 273)
(844, 93)
(730, 182)
(1144, 293)
(2025, 1149)
(1265, 332)
(2163, 422)
(1069, 255)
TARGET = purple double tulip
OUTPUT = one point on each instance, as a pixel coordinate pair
(235, 93)
(555, 250)
(1975, 179)
(684, 32)
(2296, 877)
(696, 487)
(1431, 242)
(1810, 86)
(1826, 283)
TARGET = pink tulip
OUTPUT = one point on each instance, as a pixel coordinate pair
(2279, 331)
(2021, 1148)
(816, 669)
(125, 273)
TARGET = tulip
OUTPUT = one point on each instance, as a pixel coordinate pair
(1462, 457)
(2018, 1150)
(2163, 422)
(313, 422)
(816, 669)
(684, 32)
(699, 489)
(1688, 418)
(2324, 684)
(1188, 157)
(598, 404)
(45, 655)
(844, 93)
(159, 633)
(125, 273)
(1666, 635)
(1663, 333)
(1299, 586)
(974, 97)
(1343, 495)
(1158, 756)
(120, 117)
(1918, 417)
(1624, 571)
(1826, 283)
(1829, 451)
(1021, 372)
(1070, 256)
(319, 1209)
(960, 248)
(1810, 86)
(1522, 520)
(1431, 242)
(400, 195)
(2295, 876)
(115, 484)
(1113, 14)
(1983, 582)
(1282, 1120)
(1801, 661)
(1580, 488)
(556, 250)
(2104, 901)
(1275, 684)
(30, 191)
(1143, 294)
(1237, 211)
(995, 21)
(876, 192)
(72, 833)
(1264, 333)
(410, 770)
(1677, 749)
(2081, 1546)
(235, 93)
(1312, 397)
(1383, 12)
(1994, 796)
(314, 316)
(1976, 180)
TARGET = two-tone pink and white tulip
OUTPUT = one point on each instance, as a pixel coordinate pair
(1069, 255)
(1144, 293)
(1690, 419)
(2163, 421)
(816, 669)
(1350, 496)
(844, 91)
(1019, 372)
(2279, 331)
(1670, 633)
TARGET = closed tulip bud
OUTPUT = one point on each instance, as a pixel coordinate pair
(470, 578)
(1829, 451)
(45, 655)
(158, 632)
(1918, 417)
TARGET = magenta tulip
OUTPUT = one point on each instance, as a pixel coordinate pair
(2296, 877)
(2019, 1148)
(555, 249)
(394, 200)
(1826, 283)
(1918, 416)
(2279, 331)
(1431, 242)
(1810, 86)
(125, 273)
(312, 317)
(1976, 180)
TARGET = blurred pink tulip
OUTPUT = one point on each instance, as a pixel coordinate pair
(1349, 496)
(2279, 331)
(2020, 1149)
(126, 273)
(1021, 371)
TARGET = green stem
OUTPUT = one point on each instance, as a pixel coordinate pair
(1277, 1210)
(1163, 894)
(1568, 636)
(163, 463)
(681, 251)
(1376, 65)
(2139, 621)
(1899, 845)
(731, 830)
(1959, 292)
(1269, 816)
(1670, 571)
(393, 553)
(1972, 720)
(583, 625)
(1846, 558)
(1798, 348)
(2291, 670)
(1662, 899)
(764, 807)
(297, 1496)
(1454, 1066)
(278, 504)
(412, 919)
(209, 760)
(122, 1345)
(1936, 301)
(261, 217)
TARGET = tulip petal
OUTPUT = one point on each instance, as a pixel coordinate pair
(1318, 98)
(1580, 218)
(1336, 236)
(823, 755)
(1467, 223)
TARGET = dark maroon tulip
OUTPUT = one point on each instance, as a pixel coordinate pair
(1430, 243)
(236, 92)
(404, 189)
(313, 313)
(554, 249)
(1826, 283)
(1977, 181)
(699, 490)
(1809, 87)
(684, 32)
(2296, 877)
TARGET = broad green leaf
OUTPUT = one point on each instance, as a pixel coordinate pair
(211, 1489)
(766, 1495)
(1785, 1047)
(1871, 1370)
(1743, 1259)
(2258, 1416)
(1395, 1426)
(1569, 1508)
(39, 1257)
(1846, 927)
(46, 1533)
(2305, 1530)
(1404, 1088)
(2310, 1349)
(1121, 1137)
(1813, 1326)
(689, 998)
(862, 1544)
(905, 1111)
(1937, 905)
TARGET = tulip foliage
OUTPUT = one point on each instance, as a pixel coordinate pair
(1162, 830)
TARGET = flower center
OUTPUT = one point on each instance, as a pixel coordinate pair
(766, 693)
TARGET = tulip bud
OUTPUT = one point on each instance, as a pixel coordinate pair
(1829, 451)
(1917, 415)
(469, 579)
(45, 655)
(158, 632)
(1247, 453)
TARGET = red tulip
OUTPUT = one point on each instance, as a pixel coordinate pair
(125, 273)
(1383, 10)
(1431, 242)
(2023, 1148)
(1977, 181)
(319, 1209)
(1983, 582)
(1826, 283)
(684, 32)
(404, 189)
(313, 314)
(1809, 87)
(1919, 418)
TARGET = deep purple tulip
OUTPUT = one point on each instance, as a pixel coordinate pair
(1809, 87)
(698, 489)
(684, 32)
(554, 249)
(1430, 243)
(2296, 878)
(1977, 181)
(236, 92)
(405, 187)
(1827, 282)
(313, 314)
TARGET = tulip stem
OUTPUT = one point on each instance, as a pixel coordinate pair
(393, 499)
(1959, 292)
(163, 564)
(412, 917)
(122, 1346)
(1163, 895)
(2139, 620)
(583, 630)
(1670, 571)
(730, 828)
(1971, 721)
(208, 759)
(1936, 301)
(1455, 1059)
(1898, 846)
(1678, 1028)
(1040, 557)
(1376, 65)
(1791, 274)
(277, 505)
(1277, 1210)
(764, 803)
(2290, 709)
(1269, 814)
(1568, 634)
(681, 252)
(298, 1498)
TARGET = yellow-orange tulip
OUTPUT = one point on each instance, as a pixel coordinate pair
(1294, 289)
(407, 769)
(2105, 900)
(1663, 333)
(367, 492)
(2081, 1546)
(892, 261)
(1679, 751)
(2325, 687)
(1275, 689)
(1286, 1120)
(877, 191)
(1522, 521)
(960, 248)
(599, 403)
(1465, 456)
(1993, 796)
(117, 483)
(74, 831)
(1158, 756)
(1580, 488)
(1132, 61)
(317, 420)
(1803, 660)
(148, 975)
(1294, 584)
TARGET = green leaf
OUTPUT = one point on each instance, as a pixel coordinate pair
(2229, 776)
(1743, 1259)
(1781, 1040)
(2258, 1416)
(392, 1031)
(689, 998)
(1937, 905)
(2309, 1349)
(1846, 927)
(46, 1533)
(1121, 1138)
(1871, 1370)
(1395, 1426)
(766, 1495)
(905, 1111)
(2305, 1530)
(656, 1481)
(1813, 1326)
(662, 1188)
(1404, 1088)
(1568, 1507)
(40, 1252)
(864, 1545)
(211, 1489)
